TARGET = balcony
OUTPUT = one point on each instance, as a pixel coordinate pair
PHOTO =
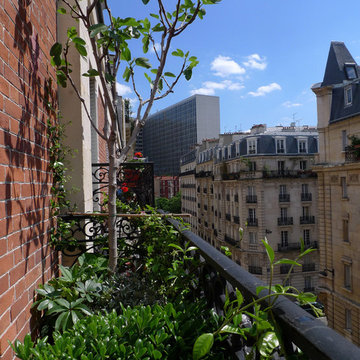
(257, 270)
(285, 221)
(311, 244)
(289, 247)
(284, 197)
(307, 220)
(352, 153)
(228, 217)
(251, 199)
(306, 197)
(308, 267)
(230, 240)
(236, 219)
(220, 275)
(285, 268)
(252, 222)
(203, 174)
(269, 174)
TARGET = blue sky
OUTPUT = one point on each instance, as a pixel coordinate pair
(259, 56)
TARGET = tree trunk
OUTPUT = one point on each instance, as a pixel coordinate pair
(113, 253)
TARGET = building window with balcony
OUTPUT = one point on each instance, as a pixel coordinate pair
(344, 191)
(251, 196)
(302, 146)
(306, 237)
(284, 238)
(345, 224)
(251, 146)
(283, 213)
(280, 146)
(347, 276)
(303, 165)
(281, 167)
(348, 320)
(283, 196)
(252, 220)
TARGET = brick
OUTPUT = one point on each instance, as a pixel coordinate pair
(6, 300)
(4, 284)
(10, 335)
(6, 263)
(18, 307)
(17, 272)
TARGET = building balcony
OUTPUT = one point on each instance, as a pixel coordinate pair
(269, 174)
(307, 220)
(284, 197)
(228, 217)
(289, 247)
(236, 219)
(257, 270)
(306, 197)
(352, 153)
(203, 174)
(308, 267)
(284, 221)
(220, 276)
(252, 222)
(285, 268)
(230, 240)
(251, 199)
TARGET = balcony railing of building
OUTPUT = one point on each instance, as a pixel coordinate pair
(306, 196)
(220, 275)
(352, 153)
(204, 174)
(230, 240)
(284, 197)
(228, 217)
(283, 247)
(285, 268)
(284, 221)
(308, 267)
(257, 270)
(251, 199)
(288, 174)
(236, 219)
(307, 220)
(252, 221)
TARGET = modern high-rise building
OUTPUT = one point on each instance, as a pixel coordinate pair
(174, 131)
(338, 169)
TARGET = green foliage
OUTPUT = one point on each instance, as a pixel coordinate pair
(172, 205)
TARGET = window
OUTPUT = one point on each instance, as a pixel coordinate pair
(303, 164)
(344, 139)
(252, 166)
(284, 238)
(306, 211)
(281, 167)
(280, 146)
(282, 189)
(348, 95)
(283, 213)
(350, 70)
(251, 190)
(308, 282)
(302, 144)
(252, 214)
(252, 238)
(304, 188)
(251, 145)
(345, 224)
(348, 319)
(347, 276)
(344, 188)
(306, 236)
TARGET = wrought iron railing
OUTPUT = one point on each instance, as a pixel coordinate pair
(251, 199)
(283, 221)
(220, 275)
(307, 220)
(306, 196)
(352, 154)
(137, 178)
(284, 197)
(288, 246)
(288, 174)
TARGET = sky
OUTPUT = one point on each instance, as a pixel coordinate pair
(260, 57)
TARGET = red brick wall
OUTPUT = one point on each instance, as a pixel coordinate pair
(27, 32)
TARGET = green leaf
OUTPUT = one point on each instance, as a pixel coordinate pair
(59, 320)
(91, 73)
(269, 250)
(78, 40)
(64, 303)
(61, 10)
(287, 261)
(231, 329)
(66, 273)
(261, 288)
(239, 296)
(145, 1)
(306, 297)
(126, 54)
(176, 247)
(81, 49)
(96, 29)
(56, 49)
(188, 73)
(203, 345)
(267, 343)
(154, 16)
(157, 28)
(71, 32)
(148, 79)
(126, 74)
(109, 78)
(178, 52)
(146, 42)
(169, 74)
(143, 62)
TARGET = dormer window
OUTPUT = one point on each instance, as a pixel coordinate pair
(251, 146)
(351, 72)
(348, 95)
(302, 146)
(280, 146)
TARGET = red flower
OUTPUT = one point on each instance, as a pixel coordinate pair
(138, 154)
(124, 189)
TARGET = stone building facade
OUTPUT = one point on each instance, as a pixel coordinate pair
(338, 169)
(261, 182)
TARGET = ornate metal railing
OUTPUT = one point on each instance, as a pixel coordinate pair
(135, 181)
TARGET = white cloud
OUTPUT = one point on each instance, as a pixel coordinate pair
(255, 61)
(224, 66)
(290, 104)
(157, 47)
(122, 89)
(263, 90)
(209, 87)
